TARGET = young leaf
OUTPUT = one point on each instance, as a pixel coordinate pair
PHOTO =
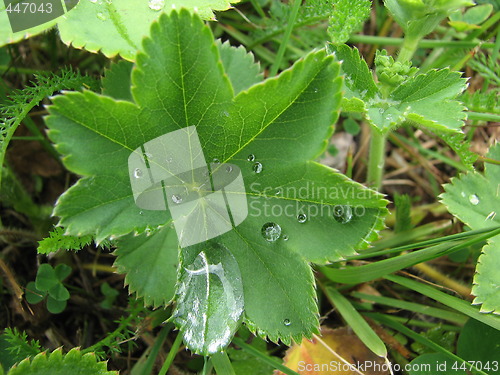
(347, 18)
(57, 363)
(46, 278)
(58, 240)
(474, 199)
(280, 125)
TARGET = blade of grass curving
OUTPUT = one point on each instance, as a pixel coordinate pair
(171, 354)
(222, 364)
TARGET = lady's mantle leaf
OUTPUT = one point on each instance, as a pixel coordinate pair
(56, 363)
(475, 199)
(271, 131)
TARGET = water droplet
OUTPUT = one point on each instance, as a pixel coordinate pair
(301, 218)
(381, 110)
(93, 1)
(257, 167)
(343, 214)
(316, 89)
(101, 16)
(156, 4)
(141, 213)
(148, 155)
(271, 231)
(463, 194)
(169, 160)
(216, 161)
(287, 322)
(251, 157)
(176, 198)
(278, 191)
(474, 199)
(137, 173)
(229, 169)
(225, 113)
(285, 237)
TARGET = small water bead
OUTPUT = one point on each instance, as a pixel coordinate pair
(285, 238)
(491, 215)
(176, 198)
(343, 214)
(271, 232)
(141, 213)
(169, 160)
(216, 161)
(381, 110)
(156, 4)
(301, 218)
(257, 167)
(278, 191)
(316, 89)
(138, 173)
(101, 16)
(225, 113)
(93, 1)
(148, 155)
(229, 169)
(474, 199)
(251, 157)
(287, 322)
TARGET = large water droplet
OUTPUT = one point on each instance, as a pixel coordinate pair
(137, 173)
(343, 214)
(301, 218)
(251, 157)
(176, 198)
(271, 231)
(156, 4)
(257, 167)
(474, 199)
(101, 16)
(287, 322)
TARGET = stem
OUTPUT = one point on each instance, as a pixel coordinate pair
(410, 45)
(376, 162)
(171, 354)
(222, 364)
(286, 37)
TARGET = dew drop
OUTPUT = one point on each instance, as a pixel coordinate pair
(285, 237)
(271, 231)
(229, 169)
(257, 167)
(463, 194)
(251, 157)
(156, 4)
(169, 160)
(278, 191)
(474, 199)
(101, 16)
(316, 89)
(225, 113)
(176, 198)
(287, 322)
(381, 110)
(93, 1)
(343, 214)
(148, 155)
(137, 173)
(491, 215)
(301, 218)
(141, 213)
(216, 161)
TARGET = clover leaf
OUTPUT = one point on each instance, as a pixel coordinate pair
(298, 210)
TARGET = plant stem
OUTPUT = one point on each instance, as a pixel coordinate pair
(410, 45)
(376, 162)
(222, 364)
(424, 43)
(171, 354)
(281, 52)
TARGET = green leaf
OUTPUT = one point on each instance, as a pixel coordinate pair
(150, 264)
(474, 199)
(113, 28)
(55, 306)
(347, 18)
(59, 292)
(62, 271)
(33, 295)
(116, 81)
(358, 81)
(281, 125)
(240, 66)
(481, 343)
(46, 278)
(56, 363)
